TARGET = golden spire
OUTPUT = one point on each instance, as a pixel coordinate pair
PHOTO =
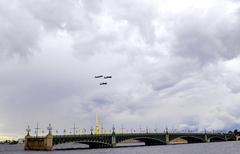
(97, 125)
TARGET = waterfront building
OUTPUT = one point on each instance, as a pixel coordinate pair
(4, 138)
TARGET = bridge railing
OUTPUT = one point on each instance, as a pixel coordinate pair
(161, 133)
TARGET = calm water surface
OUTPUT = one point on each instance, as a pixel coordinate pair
(201, 148)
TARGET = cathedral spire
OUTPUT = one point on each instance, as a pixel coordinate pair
(97, 125)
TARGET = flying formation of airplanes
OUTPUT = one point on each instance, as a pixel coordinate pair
(98, 76)
(105, 77)
(103, 83)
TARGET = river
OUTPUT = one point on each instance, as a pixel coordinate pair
(200, 148)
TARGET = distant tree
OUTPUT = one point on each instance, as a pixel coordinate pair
(230, 132)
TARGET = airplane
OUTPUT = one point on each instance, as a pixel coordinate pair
(98, 76)
(106, 77)
(103, 83)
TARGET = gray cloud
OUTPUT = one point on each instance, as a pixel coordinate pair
(19, 30)
(172, 65)
(70, 15)
(207, 36)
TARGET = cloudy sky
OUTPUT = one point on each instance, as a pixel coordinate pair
(174, 63)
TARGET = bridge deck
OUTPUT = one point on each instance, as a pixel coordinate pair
(110, 140)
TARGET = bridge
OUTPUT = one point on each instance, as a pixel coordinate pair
(111, 140)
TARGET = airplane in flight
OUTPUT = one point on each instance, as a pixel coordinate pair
(103, 83)
(98, 76)
(107, 77)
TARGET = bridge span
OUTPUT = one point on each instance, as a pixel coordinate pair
(111, 140)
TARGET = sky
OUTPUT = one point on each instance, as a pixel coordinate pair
(173, 63)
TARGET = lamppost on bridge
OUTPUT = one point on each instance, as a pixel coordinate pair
(28, 130)
(147, 130)
(102, 130)
(166, 130)
(140, 129)
(84, 131)
(74, 129)
(36, 130)
(49, 128)
(113, 129)
(91, 130)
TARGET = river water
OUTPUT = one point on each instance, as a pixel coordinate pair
(200, 148)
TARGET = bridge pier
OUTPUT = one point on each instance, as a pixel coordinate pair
(206, 138)
(39, 143)
(167, 137)
(237, 138)
(114, 142)
(225, 137)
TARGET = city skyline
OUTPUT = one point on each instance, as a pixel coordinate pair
(172, 64)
